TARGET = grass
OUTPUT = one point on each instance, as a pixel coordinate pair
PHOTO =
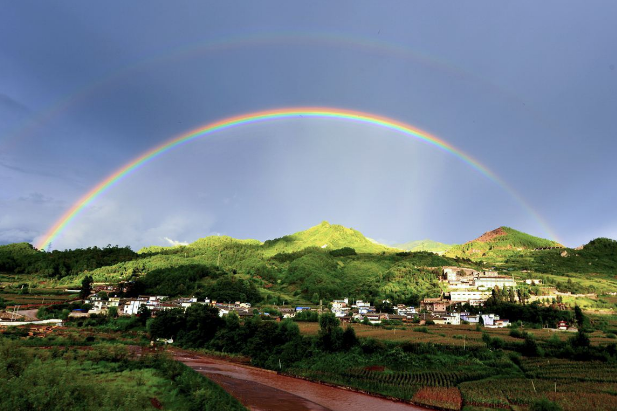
(102, 377)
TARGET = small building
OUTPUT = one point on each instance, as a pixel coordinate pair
(455, 274)
(500, 281)
(469, 295)
(502, 323)
(434, 305)
(374, 318)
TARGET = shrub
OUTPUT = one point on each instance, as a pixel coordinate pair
(545, 405)
(516, 333)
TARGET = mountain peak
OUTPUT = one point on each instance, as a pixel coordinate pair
(490, 235)
(499, 239)
(325, 235)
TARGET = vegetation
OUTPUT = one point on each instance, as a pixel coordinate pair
(103, 377)
(424, 245)
(24, 258)
(445, 367)
(330, 236)
(501, 241)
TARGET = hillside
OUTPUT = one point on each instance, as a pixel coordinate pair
(501, 241)
(327, 236)
(594, 261)
(424, 245)
(324, 262)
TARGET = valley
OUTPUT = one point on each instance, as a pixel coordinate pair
(468, 326)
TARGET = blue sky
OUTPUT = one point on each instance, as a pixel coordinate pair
(528, 89)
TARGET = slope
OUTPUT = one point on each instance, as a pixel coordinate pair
(500, 242)
(327, 236)
(424, 245)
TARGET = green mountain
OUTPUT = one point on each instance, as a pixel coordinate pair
(214, 242)
(327, 236)
(501, 241)
(319, 263)
(424, 245)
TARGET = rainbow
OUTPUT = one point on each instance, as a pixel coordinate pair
(262, 116)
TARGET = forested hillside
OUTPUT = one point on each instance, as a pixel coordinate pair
(321, 263)
(500, 242)
(424, 245)
(327, 236)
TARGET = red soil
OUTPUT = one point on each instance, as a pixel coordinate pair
(489, 235)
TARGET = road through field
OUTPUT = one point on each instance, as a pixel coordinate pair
(263, 390)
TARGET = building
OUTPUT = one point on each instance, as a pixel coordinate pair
(455, 274)
(500, 281)
(469, 296)
(449, 319)
(434, 305)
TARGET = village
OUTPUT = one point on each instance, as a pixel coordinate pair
(461, 288)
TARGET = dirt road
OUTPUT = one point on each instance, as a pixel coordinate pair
(263, 390)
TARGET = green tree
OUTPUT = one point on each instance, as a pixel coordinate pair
(167, 324)
(86, 287)
(350, 339)
(202, 323)
(112, 312)
(144, 313)
(384, 306)
(581, 319)
(580, 340)
(330, 335)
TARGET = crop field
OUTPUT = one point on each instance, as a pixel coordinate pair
(574, 385)
(510, 392)
(452, 335)
(24, 299)
(439, 397)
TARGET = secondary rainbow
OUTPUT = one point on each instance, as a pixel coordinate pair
(261, 116)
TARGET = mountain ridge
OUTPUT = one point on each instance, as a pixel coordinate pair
(424, 245)
(328, 236)
(499, 240)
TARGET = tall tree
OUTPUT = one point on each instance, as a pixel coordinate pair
(86, 287)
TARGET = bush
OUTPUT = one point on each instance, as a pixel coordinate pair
(545, 405)
(307, 316)
(516, 333)
(342, 252)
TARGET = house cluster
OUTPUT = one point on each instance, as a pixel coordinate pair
(437, 309)
(132, 306)
(474, 287)
(361, 310)
(434, 309)
(466, 285)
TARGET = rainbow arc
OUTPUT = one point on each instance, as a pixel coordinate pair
(261, 116)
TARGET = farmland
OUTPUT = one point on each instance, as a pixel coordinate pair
(452, 335)
(430, 367)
